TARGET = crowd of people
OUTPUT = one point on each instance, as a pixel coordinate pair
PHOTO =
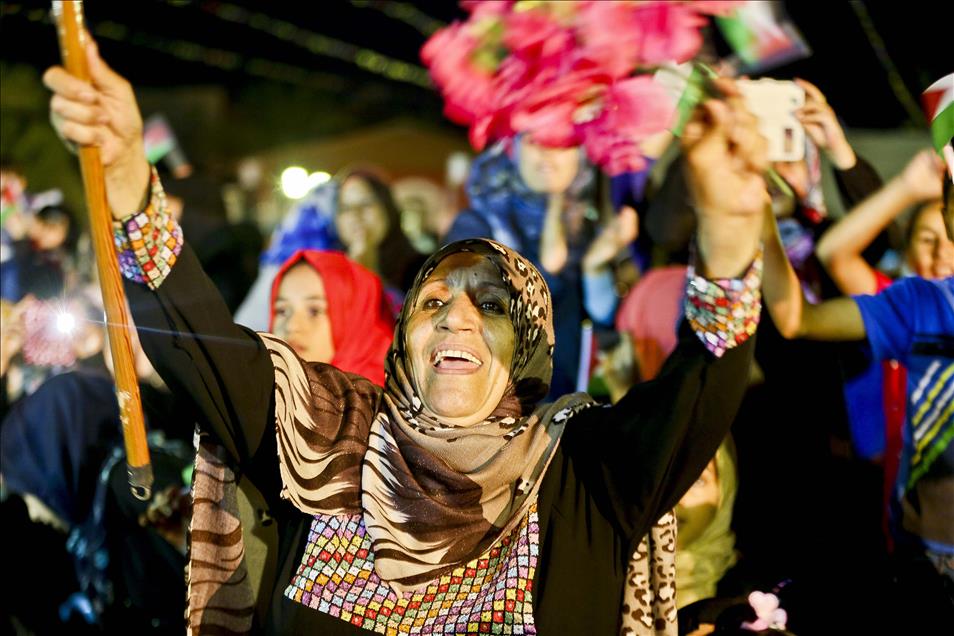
(694, 403)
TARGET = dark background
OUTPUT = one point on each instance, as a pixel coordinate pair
(234, 82)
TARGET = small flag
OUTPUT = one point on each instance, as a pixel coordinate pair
(938, 102)
(158, 138)
(161, 144)
(763, 36)
(686, 85)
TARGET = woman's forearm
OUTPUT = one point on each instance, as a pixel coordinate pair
(553, 249)
(840, 249)
(794, 317)
(781, 290)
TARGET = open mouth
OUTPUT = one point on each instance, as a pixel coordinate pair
(455, 360)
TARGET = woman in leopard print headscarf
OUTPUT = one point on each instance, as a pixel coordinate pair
(420, 505)
(450, 501)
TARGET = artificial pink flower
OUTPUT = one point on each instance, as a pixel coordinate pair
(486, 8)
(631, 110)
(716, 7)
(548, 110)
(538, 39)
(610, 35)
(637, 107)
(669, 32)
(467, 90)
(563, 72)
(511, 85)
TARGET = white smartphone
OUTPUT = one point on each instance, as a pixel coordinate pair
(774, 103)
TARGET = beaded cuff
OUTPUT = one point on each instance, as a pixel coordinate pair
(724, 312)
(148, 243)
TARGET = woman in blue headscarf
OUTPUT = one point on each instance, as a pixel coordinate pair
(536, 200)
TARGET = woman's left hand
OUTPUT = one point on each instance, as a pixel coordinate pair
(726, 158)
(821, 125)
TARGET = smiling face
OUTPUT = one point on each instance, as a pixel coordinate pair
(930, 252)
(460, 339)
(301, 314)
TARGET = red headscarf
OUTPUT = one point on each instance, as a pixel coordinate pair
(362, 325)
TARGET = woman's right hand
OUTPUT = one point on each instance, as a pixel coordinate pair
(103, 113)
(726, 157)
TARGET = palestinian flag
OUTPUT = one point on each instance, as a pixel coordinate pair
(158, 138)
(938, 102)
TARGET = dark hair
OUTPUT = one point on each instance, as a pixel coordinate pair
(397, 259)
(61, 215)
(8, 165)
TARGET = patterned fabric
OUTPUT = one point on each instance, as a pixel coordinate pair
(342, 451)
(221, 599)
(491, 594)
(724, 313)
(932, 419)
(649, 595)
(148, 243)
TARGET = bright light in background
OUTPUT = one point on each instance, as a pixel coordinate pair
(296, 182)
(65, 323)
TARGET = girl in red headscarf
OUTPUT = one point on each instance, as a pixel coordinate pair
(330, 309)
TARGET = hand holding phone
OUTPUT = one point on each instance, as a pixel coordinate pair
(774, 103)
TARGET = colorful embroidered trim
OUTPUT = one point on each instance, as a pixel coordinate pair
(149, 242)
(725, 312)
(489, 595)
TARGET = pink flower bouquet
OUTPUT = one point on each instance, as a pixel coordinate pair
(568, 73)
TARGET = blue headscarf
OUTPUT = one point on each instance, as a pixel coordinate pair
(310, 224)
(500, 196)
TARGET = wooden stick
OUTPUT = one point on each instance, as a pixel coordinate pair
(69, 21)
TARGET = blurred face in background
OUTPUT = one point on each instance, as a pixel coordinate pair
(423, 205)
(361, 222)
(547, 170)
(301, 314)
(48, 235)
(697, 508)
(930, 252)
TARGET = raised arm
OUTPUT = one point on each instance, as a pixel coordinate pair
(643, 453)
(795, 317)
(185, 327)
(842, 246)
